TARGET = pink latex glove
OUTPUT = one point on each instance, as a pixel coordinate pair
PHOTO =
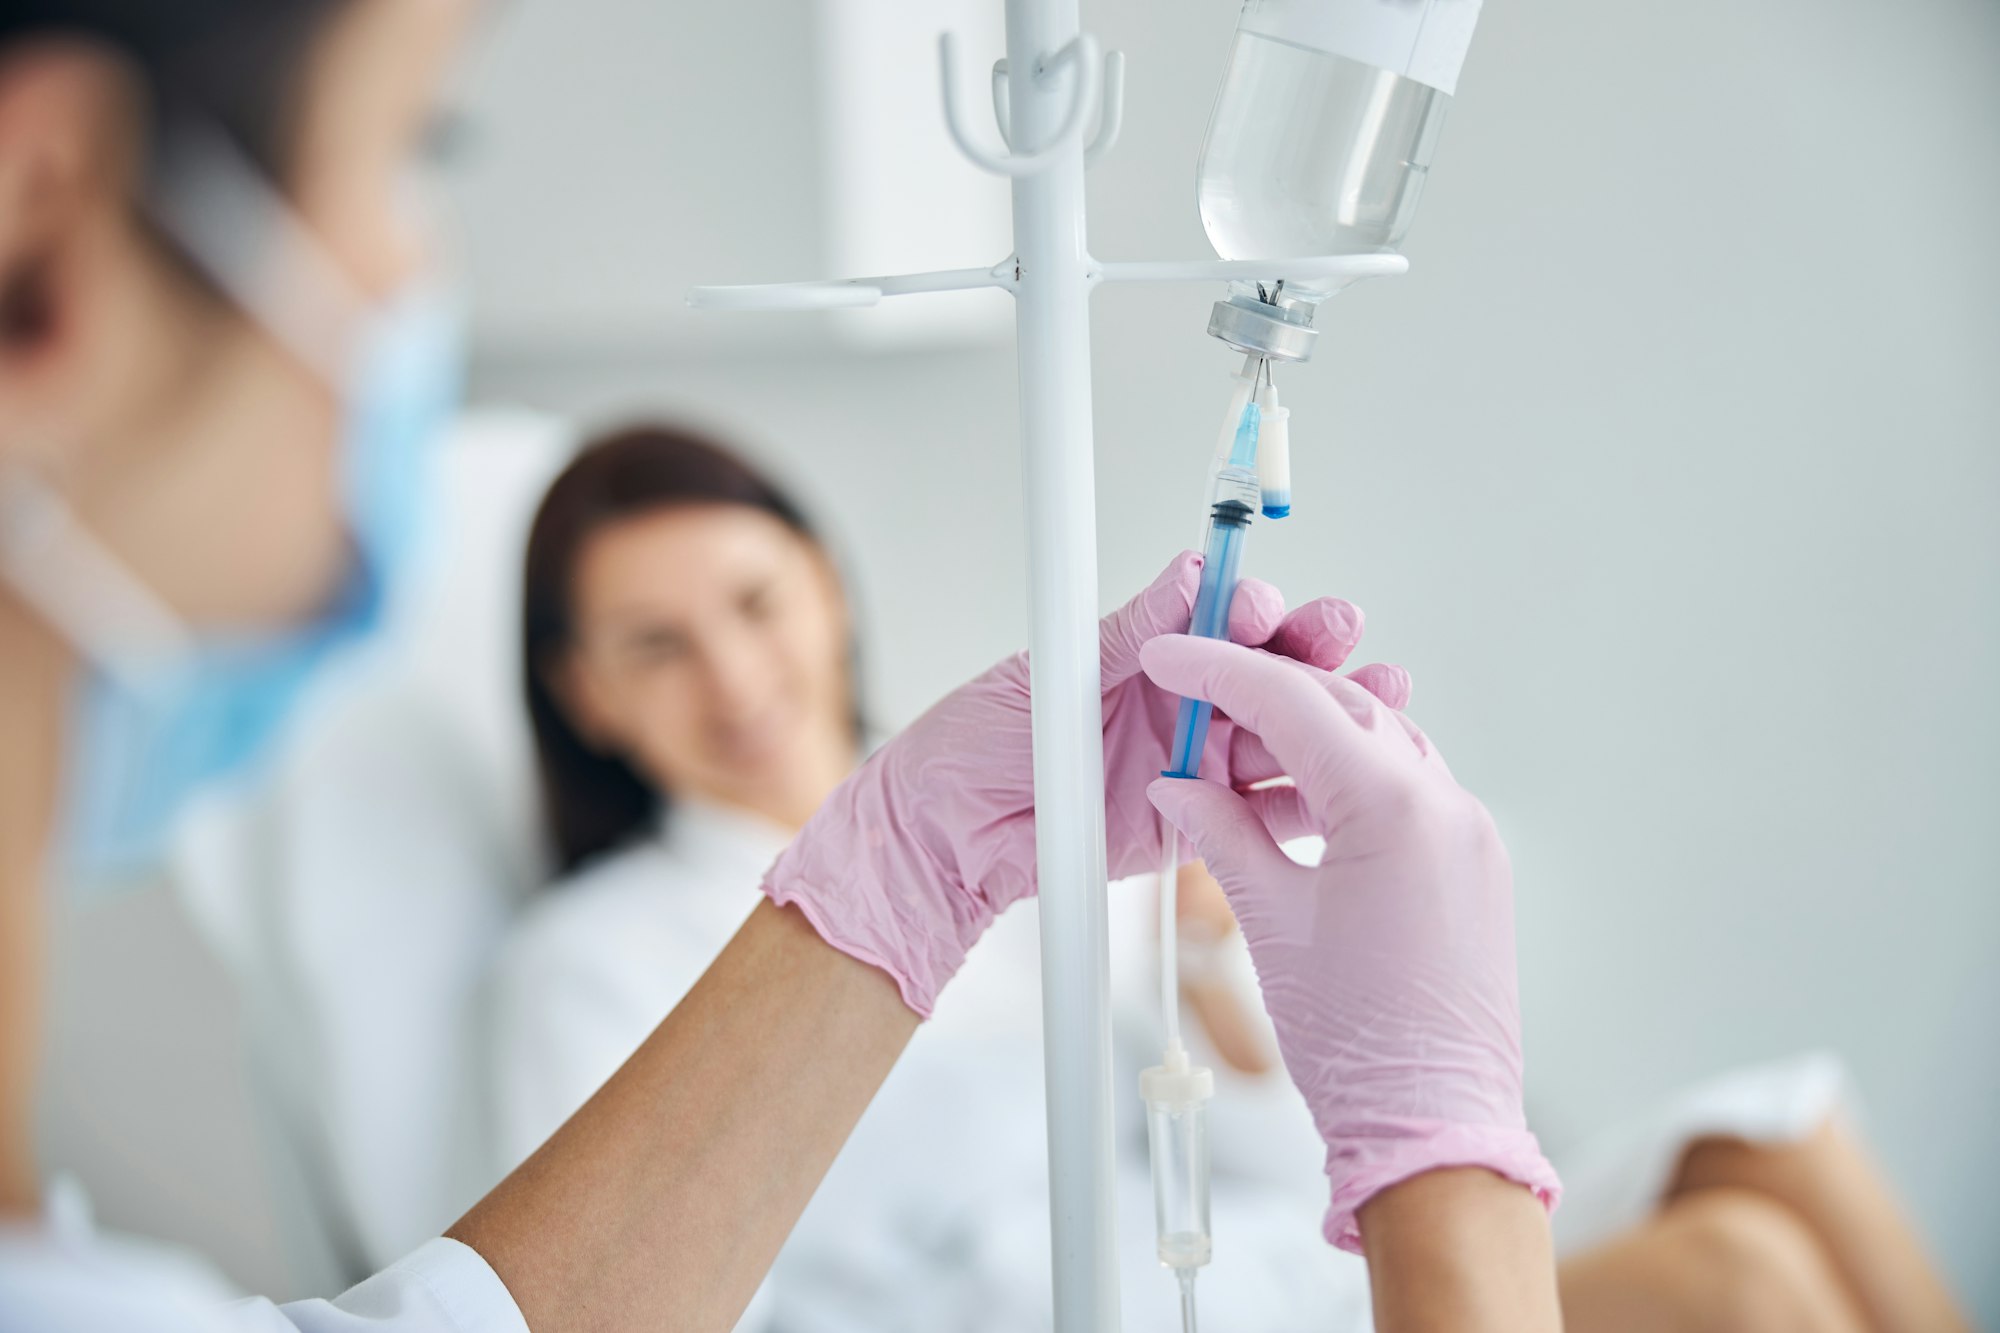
(911, 858)
(1388, 968)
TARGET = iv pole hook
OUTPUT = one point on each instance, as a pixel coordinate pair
(1085, 86)
(1110, 112)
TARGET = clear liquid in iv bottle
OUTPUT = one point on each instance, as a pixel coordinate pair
(1312, 153)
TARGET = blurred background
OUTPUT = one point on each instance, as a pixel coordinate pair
(1670, 471)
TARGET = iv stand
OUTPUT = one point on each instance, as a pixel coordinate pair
(1043, 94)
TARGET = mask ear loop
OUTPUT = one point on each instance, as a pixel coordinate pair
(82, 590)
(240, 233)
(246, 238)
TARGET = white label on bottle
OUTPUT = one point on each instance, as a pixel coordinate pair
(1425, 40)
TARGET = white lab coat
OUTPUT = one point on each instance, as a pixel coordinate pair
(63, 1277)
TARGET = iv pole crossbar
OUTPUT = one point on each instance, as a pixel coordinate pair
(846, 293)
(1342, 268)
(1043, 93)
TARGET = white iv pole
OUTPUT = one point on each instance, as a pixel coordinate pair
(1043, 95)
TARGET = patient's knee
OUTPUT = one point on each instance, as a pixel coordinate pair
(1757, 1267)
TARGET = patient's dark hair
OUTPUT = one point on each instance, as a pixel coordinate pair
(595, 801)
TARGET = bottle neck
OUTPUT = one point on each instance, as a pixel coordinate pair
(1290, 299)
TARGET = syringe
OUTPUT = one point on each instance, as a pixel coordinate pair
(1247, 475)
(1235, 494)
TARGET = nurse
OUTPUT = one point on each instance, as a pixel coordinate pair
(217, 357)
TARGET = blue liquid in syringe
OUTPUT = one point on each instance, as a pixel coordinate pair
(1229, 520)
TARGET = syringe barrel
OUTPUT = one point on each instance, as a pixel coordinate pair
(1221, 561)
(1178, 1135)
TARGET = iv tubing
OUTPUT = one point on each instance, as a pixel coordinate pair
(1170, 953)
(1176, 1092)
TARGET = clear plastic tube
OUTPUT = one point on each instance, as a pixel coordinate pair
(1177, 1131)
(1186, 1276)
(1176, 1095)
(1170, 938)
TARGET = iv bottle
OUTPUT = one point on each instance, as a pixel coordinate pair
(1324, 128)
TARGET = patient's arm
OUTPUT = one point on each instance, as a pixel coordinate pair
(1231, 1019)
(1830, 1182)
(663, 1201)
(1460, 1250)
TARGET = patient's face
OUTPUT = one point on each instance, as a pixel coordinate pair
(711, 653)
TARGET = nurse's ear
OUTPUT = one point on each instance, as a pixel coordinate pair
(67, 123)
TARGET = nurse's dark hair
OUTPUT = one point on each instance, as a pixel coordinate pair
(236, 64)
(595, 801)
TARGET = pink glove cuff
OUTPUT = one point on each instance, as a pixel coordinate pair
(917, 982)
(1363, 1167)
(877, 897)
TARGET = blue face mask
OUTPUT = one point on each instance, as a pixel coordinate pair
(156, 723)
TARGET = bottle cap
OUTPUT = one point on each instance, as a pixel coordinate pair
(1252, 327)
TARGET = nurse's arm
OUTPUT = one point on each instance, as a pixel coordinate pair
(1460, 1250)
(664, 1200)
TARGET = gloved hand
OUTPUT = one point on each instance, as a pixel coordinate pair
(911, 858)
(1388, 969)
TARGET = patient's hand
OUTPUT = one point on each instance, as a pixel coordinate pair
(1231, 1020)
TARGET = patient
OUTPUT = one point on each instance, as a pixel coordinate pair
(691, 683)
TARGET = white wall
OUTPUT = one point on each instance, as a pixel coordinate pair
(1670, 471)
